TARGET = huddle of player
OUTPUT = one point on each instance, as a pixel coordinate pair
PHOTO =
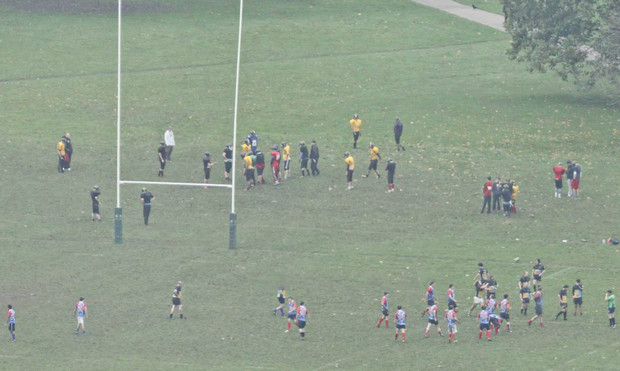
(494, 312)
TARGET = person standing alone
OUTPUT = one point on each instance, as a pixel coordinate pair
(391, 169)
(146, 198)
(94, 196)
(169, 142)
(80, 311)
(60, 147)
(398, 131)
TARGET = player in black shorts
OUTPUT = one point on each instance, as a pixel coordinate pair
(228, 159)
(578, 297)
(281, 296)
(161, 155)
(94, 196)
(176, 300)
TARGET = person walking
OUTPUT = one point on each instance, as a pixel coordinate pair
(356, 126)
(80, 311)
(303, 156)
(207, 164)
(314, 158)
(611, 308)
(398, 131)
(391, 169)
(373, 153)
(169, 142)
(161, 156)
(176, 301)
(146, 197)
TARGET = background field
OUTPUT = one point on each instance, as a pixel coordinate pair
(308, 66)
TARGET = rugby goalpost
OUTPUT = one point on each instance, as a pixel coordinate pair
(118, 211)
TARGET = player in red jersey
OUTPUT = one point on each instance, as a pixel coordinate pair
(384, 309)
(558, 171)
(432, 320)
(275, 164)
(452, 297)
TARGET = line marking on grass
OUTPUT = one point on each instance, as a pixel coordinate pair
(333, 363)
(559, 272)
(614, 345)
(5, 356)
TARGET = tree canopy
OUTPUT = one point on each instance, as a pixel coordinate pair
(578, 39)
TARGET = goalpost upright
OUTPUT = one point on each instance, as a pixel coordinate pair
(118, 211)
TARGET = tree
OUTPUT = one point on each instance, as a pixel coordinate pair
(578, 39)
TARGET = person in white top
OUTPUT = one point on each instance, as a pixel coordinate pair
(169, 141)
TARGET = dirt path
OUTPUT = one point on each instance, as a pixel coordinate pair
(468, 12)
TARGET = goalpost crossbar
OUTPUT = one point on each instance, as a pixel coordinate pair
(176, 184)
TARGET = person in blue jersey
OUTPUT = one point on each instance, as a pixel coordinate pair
(281, 295)
(538, 301)
(430, 294)
(80, 311)
(302, 319)
(253, 138)
(432, 319)
(146, 197)
(291, 314)
(451, 297)
(504, 312)
(176, 300)
(537, 272)
(400, 317)
(484, 323)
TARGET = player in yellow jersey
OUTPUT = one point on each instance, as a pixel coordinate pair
(350, 161)
(373, 152)
(286, 158)
(245, 148)
(356, 126)
(60, 147)
(249, 171)
(562, 295)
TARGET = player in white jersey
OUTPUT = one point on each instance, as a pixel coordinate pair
(80, 311)
(10, 320)
(451, 321)
(401, 321)
(504, 312)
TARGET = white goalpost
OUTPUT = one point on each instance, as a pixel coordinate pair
(118, 212)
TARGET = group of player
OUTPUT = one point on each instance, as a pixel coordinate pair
(254, 161)
(373, 153)
(504, 192)
(492, 314)
(297, 315)
(573, 177)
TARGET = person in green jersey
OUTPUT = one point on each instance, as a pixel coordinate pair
(611, 308)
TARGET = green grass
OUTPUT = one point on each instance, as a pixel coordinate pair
(307, 67)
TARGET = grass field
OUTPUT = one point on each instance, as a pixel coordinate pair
(307, 67)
